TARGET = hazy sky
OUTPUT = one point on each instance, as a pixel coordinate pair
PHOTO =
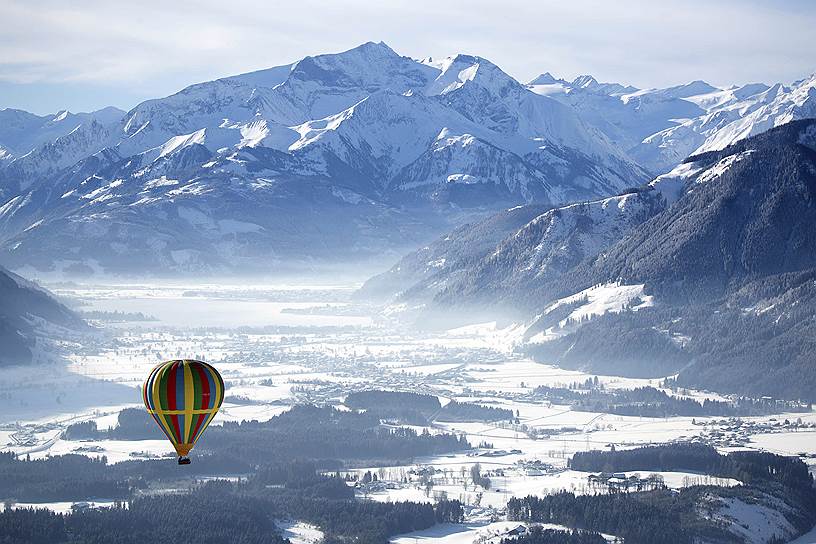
(83, 55)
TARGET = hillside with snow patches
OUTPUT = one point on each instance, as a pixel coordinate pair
(356, 156)
(497, 260)
(706, 270)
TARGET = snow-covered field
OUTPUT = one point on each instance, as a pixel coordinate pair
(755, 523)
(517, 482)
(469, 533)
(299, 532)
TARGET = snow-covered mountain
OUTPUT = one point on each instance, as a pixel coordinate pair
(661, 127)
(707, 270)
(21, 132)
(422, 274)
(340, 157)
(349, 156)
(499, 259)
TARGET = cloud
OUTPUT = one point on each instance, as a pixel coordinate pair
(151, 48)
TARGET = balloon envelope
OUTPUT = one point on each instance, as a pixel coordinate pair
(183, 397)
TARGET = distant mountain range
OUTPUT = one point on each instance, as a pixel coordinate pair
(658, 128)
(708, 271)
(346, 157)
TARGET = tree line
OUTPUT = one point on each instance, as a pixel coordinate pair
(304, 432)
(227, 512)
(649, 401)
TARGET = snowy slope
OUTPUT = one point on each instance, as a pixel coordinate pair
(24, 309)
(549, 244)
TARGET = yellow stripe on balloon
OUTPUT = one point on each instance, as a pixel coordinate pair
(181, 412)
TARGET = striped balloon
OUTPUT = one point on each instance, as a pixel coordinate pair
(183, 397)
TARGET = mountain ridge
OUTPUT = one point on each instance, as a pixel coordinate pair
(365, 152)
(707, 271)
(362, 132)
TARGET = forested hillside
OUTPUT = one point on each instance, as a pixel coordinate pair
(707, 271)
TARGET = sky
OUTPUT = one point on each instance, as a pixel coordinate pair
(86, 54)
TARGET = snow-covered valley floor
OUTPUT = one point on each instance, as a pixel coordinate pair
(281, 345)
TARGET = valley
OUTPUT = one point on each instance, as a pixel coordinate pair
(272, 359)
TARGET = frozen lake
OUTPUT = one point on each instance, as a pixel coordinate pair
(223, 306)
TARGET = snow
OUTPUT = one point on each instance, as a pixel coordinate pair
(600, 299)
(115, 450)
(572, 231)
(260, 132)
(33, 225)
(787, 443)
(672, 184)
(161, 181)
(755, 523)
(471, 532)
(773, 107)
(347, 196)
(381, 113)
(6, 209)
(195, 217)
(100, 191)
(456, 71)
(298, 532)
(311, 131)
(721, 167)
(661, 127)
(514, 482)
(450, 533)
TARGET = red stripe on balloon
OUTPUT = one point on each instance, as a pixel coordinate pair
(171, 399)
(205, 388)
(201, 418)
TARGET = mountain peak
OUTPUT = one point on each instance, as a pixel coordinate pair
(369, 49)
(458, 70)
(545, 79)
(750, 89)
(588, 83)
(585, 81)
(693, 88)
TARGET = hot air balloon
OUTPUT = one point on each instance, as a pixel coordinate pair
(183, 397)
